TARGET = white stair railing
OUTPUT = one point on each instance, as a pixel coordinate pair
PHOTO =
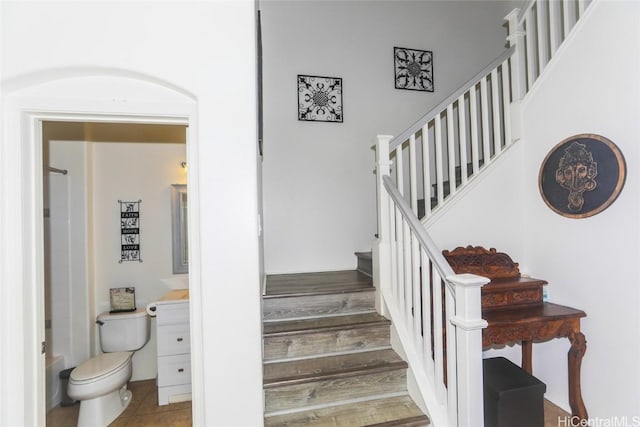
(434, 158)
(437, 155)
(437, 313)
(536, 32)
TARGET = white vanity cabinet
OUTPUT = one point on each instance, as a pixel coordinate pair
(174, 351)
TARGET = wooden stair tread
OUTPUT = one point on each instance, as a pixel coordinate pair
(307, 370)
(364, 255)
(323, 323)
(417, 421)
(317, 283)
(327, 354)
(367, 413)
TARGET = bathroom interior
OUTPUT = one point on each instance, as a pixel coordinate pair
(89, 168)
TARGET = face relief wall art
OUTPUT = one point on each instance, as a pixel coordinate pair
(320, 99)
(582, 176)
(413, 69)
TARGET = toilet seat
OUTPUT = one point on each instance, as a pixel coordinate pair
(100, 366)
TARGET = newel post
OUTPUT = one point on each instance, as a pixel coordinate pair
(516, 38)
(469, 324)
(381, 254)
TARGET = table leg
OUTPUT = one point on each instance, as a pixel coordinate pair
(575, 355)
(526, 356)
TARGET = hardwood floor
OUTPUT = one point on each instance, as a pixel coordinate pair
(554, 416)
(143, 411)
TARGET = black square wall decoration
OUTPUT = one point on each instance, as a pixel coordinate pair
(320, 99)
(413, 69)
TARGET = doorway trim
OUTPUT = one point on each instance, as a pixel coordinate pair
(22, 230)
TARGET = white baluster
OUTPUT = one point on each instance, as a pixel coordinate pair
(582, 5)
(400, 169)
(452, 374)
(543, 32)
(438, 343)
(495, 102)
(518, 62)
(462, 136)
(393, 271)
(506, 119)
(555, 25)
(439, 161)
(451, 146)
(426, 316)
(400, 228)
(400, 261)
(413, 174)
(569, 16)
(473, 113)
(484, 112)
(408, 276)
(426, 170)
(417, 312)
(532, 61)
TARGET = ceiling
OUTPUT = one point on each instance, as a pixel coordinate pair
(113, 132)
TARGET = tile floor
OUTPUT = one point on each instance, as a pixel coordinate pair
(143, 411)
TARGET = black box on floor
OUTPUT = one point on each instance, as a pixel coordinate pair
(512, 397)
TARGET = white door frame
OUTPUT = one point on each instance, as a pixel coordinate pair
(22, 259)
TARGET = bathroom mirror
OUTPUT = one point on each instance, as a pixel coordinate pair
(179, 227)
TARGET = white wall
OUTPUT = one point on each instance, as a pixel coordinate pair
(185, 59)
(591, 86)
(591, 263)
(488, 213)
(131, 172)
(319, 189)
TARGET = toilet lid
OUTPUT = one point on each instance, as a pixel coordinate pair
(100, 365)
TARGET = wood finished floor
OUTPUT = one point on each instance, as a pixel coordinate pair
(143, 411)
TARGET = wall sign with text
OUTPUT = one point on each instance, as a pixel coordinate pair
(130, 231)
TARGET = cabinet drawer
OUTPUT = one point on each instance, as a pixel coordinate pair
(173, 370)
(173, 339)
(171, 313)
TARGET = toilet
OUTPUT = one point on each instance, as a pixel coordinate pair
(100, 383)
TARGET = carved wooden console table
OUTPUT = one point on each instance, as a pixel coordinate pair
(512, 306)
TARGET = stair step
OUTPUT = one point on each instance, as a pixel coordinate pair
(365, 263)
(290, 296)
(417, 421)
(324, 335)
(297, 371)
(316, 283)
(367, 413)
(322, 380)
(298, 306)
(327, 354)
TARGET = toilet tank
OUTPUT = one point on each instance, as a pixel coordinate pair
(123, 331)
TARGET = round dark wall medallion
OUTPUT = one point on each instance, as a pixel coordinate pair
(582, 176)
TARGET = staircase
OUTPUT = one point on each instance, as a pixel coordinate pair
(420, 174)
(327, 355)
